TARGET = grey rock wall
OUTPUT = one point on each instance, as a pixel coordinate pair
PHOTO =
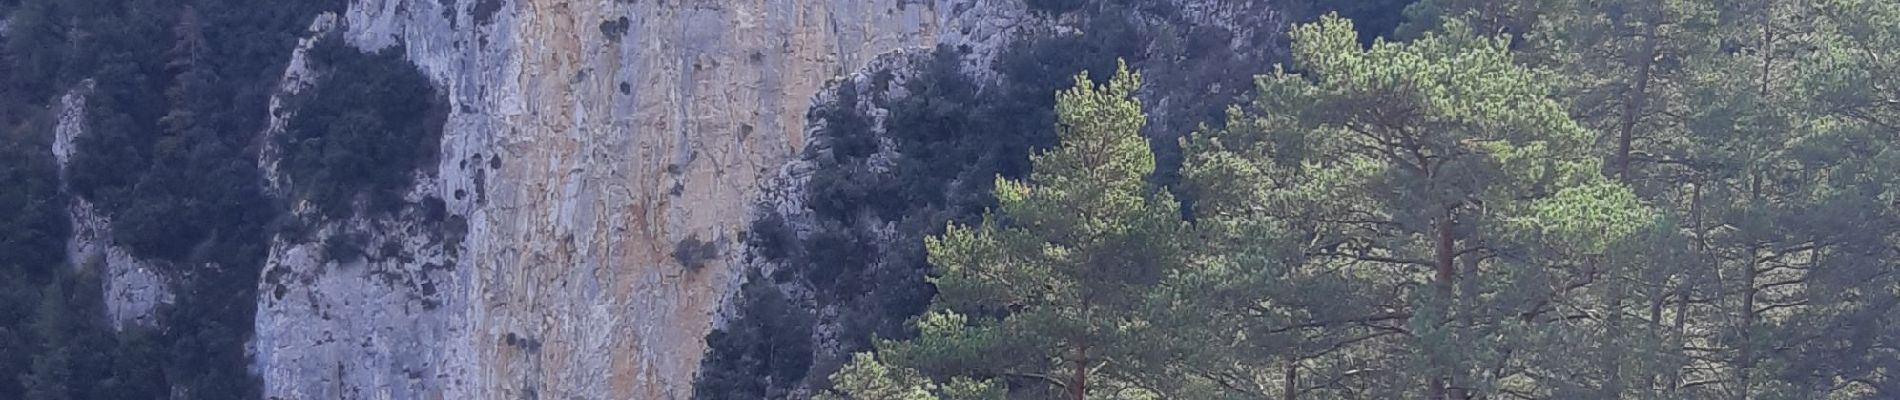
(589, 140)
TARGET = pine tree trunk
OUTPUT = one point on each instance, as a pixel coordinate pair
(1747, 356)
(1746, 359)
(1685, 290)
(1613, 333)
(1079, 380)
(1468, 291)
(1633, 103)
(1292, 380)
(1657, 297)
(1079, 383)
(1447, 274)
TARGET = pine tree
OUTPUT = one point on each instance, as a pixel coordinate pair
(1755, 121)
(1529, 199)
(1797, 154)
(1049, 291)
(1625, 66)
(1440, 186)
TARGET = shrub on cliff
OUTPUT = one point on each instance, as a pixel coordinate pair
(363, 131)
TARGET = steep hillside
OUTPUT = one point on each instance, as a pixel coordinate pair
(875, 199)
(525, 198)
(914, 141)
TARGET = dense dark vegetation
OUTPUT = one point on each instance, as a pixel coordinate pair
(176, 92)
(762, 353)
(73, 356)
(360, 134)
(33, 230)
(954, 140)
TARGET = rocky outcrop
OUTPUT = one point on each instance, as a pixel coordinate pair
(376, 325)
(134, 288)
(590, 142)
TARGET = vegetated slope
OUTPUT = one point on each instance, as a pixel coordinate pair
(1615, 199)
(174, 96)
(915, 143)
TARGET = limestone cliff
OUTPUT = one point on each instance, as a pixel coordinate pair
(134, 288)
(581, 230)
(591, 141)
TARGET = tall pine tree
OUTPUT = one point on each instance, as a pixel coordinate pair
(1445, 195)
(1049, 292)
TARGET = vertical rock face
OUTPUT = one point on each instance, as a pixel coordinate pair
(581, 228)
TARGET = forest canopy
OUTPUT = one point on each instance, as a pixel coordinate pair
(1622, 199)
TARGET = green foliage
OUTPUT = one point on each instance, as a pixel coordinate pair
(951, 137)
(1432, 217)
(847, 182)
(1748, 122)
(866, 378)
(1060, 277)
(1435, 181)
(362, 131)
(954, 140)
(766, 349)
